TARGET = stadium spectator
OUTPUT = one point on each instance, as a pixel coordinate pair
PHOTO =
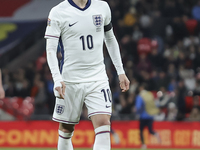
(196, 11)
(196, 101)
(172, 112)
(2, 92)
(195, 114)
(181, 93)
(39, 93)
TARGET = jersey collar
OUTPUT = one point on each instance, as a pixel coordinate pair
(73, 4)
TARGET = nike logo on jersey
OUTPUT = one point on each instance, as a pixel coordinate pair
(72, 24)
(108, 106)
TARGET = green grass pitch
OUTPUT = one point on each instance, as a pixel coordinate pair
(79, 149)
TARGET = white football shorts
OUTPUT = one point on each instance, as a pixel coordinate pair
(96, 96)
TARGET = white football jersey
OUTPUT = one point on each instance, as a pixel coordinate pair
(81, 33)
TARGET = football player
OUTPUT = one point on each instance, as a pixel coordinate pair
(81, 27)
(146, 109)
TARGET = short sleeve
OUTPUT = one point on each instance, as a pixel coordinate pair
(107, 22)
(53, 28)
(108, 15)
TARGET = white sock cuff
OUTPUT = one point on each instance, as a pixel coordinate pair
(65, 135)
(102, 129)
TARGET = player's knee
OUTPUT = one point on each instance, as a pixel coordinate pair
(103, 122)
(100, 120)
(67, 128)
(106, 122)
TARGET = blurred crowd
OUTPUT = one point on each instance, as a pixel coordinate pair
(159, 42)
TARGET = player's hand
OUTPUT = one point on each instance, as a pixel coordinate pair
(124, 82)
(61, 90)
(2, 92)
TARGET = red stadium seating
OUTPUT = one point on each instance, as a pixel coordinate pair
(13, 6)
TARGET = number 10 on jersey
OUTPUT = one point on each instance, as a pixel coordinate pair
(89, 40)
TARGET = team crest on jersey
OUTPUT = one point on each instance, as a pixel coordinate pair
(49, 22)
(97, 20)
(60, 109)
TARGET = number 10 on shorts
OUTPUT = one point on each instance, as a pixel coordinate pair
(106, 94)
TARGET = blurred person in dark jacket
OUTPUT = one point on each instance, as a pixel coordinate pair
(146, 108)
(163, 80)
(181, 93)
(38, 91)
(196, 10)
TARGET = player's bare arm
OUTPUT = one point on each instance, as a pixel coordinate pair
(2, 92)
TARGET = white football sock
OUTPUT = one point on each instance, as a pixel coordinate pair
(102, 138)
(64, 141)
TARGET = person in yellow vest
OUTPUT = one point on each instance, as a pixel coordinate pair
(146, 108)
(2, 92)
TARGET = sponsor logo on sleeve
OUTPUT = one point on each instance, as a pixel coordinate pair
(49, 22)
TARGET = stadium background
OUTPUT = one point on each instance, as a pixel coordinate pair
(159, 43)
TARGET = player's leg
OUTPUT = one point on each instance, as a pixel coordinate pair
(150, 126)
(67, 112)
(115, 136)
(151, 131)
(98, 101)
(65, 133)
(101, 124)
(142, 126)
